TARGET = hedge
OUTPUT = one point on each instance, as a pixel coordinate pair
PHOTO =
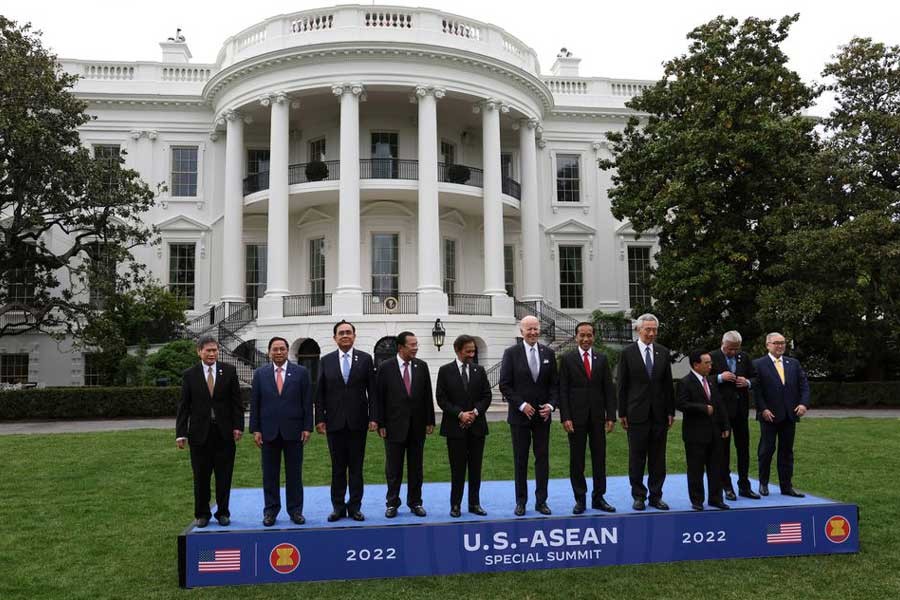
(859, 394)
(92, 402)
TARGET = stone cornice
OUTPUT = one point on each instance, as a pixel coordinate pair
(179, 102)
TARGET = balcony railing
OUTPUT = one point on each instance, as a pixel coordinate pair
(511, 187)
(469, 304)
(312, 171)
(404, 303)
(388, 168)
(461, 174)
(305, 305)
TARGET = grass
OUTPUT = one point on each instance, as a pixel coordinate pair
(96, 516)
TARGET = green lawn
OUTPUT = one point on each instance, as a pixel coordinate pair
(97, 515)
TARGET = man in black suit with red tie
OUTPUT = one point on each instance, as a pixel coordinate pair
(210, 418)
(405, 415)
(704, 430)
(587, 409)
(529, 384)
(345, 412)
(734, 373)
(646, 410)
(464, 395)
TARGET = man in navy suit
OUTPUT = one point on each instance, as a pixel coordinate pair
(281, 419)
(782, 397)
(529, 384)
(344, 399)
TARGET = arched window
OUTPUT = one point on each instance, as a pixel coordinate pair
(308, 353)
(385, 348)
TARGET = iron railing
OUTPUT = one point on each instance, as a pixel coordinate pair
(304, 305)
(256, 182)
(388, 168)
(511, 187)
(297, 173)
(204, 322)
(404, 303)
(469, 304)
(449, 173)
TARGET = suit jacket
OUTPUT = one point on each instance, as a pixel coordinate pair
(288, 413)
(345, 405)
(699, 425)
(403, 414)
(517, 386)
(736, 400)
(193, 418)
(579, 396)
(638, 392)
(454, 398)
(780, 398)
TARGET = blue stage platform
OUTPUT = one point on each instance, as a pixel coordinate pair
(246, 552)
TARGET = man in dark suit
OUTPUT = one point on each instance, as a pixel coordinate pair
(281, 419)
(344, 401)
(646, 410)
(587, 409)
(464, 395)
(782, 397)
(405, 415)
(734, 372)
(529, 384)
(210, 418)
(704, 430)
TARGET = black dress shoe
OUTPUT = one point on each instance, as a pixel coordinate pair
(357, 516)
(763, 489)
(201, 522)
(224, 520)
(639, 504)
(476, 509)
(418, 510)
(455, 511)
(749, 494)
(298, 518)
(520, 510)
(268, 520)
(602, 504)
(696, 506)
(578, 508)
(390, 512)
(659, 505)
(543, 508)
(730, 495)
(336, 515)
(720, 505)
(792, 492)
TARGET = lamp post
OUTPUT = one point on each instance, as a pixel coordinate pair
(438, 333)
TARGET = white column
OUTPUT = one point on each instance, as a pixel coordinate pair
(348, 293)
(432, 299)
(233, 223)
(528, 208)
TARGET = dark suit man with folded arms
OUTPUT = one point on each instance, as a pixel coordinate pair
(210, 418)
(587, 409)
(281, 419)
(734, 372)
(345, 412)
(405, 415)
(464, 394)
(529, 384)
(704, 430)
(646, 410)
(781, 392)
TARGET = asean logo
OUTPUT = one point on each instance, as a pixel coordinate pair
(284, 558)
(837, 529)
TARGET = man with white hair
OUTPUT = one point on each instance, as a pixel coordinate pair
(646, 410)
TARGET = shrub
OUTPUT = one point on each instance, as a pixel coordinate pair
(458, 173)
(316, 171)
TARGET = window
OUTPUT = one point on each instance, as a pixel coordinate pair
(110, 154)
(181, 272)
(568, 182)
(509, 270)
(21, 279)
(102, 273)
(13, 368)
(385, 265)
(184, 171)
(506, 165)
(257, 257)
(317, 271)
(93, 376)
(638, 276)
(317, 150)
(571, 279)
(450, 267)
(384, 154)
(257, 161)
(448, 153)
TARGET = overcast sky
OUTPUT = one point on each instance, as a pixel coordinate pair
(627, 39)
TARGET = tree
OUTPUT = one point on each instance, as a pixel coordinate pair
(170, 362)
(714, 168)
(843, 274)
(68, 220)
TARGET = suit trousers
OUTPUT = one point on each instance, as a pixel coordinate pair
(465, 453)
(348, 451)
(414, 450)
(293, 475)
(704, 456)
(215, 455)
(537, 431)
(594, 431)
(647, 446)
(783, 432)
(740, 433)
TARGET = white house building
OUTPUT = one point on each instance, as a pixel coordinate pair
(389, 166)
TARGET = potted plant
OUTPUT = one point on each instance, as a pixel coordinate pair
(458, 173)
(316, 170)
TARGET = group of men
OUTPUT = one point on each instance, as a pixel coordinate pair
(354, 397)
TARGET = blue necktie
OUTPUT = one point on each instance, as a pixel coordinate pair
(648, 361)
(345, 367)
(731, 365)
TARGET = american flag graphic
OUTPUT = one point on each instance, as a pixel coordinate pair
(219, 561)
(784, 533)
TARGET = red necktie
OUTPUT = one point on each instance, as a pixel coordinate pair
(407, 382)
(706, 388)
(587, 365)
(279, 381)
